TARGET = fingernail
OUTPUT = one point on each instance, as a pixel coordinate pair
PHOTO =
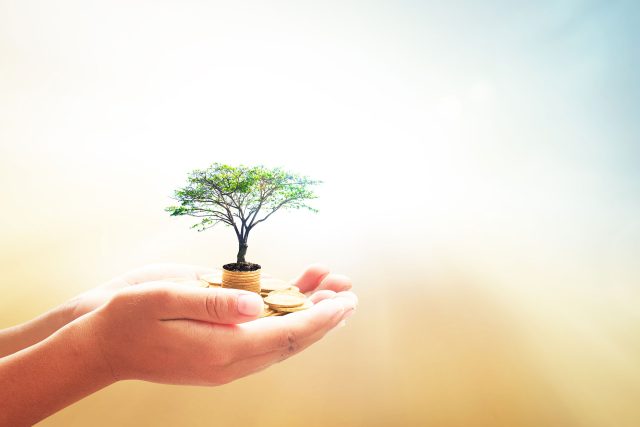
(250, 304)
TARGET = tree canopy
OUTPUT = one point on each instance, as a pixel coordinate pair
(241, 197)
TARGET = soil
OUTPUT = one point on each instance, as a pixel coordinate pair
(241, 266)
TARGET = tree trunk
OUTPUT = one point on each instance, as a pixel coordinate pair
(242, 250)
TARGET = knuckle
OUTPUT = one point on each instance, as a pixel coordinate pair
(212, 303)
(119, 300)
(124, 304)
(289, 343)
(161, 296)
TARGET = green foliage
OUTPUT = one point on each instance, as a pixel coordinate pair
(241, 197)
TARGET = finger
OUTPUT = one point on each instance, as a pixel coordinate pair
(259, 362)
(288, 333)
(350, 296)
(318, 296)
(213, 305)
(156, 272)
(335, 282)
(281, 348)
(311, 278)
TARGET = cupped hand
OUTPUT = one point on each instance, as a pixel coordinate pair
(316, 277)
(168, 333)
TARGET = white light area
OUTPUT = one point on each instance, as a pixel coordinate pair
(105, 110)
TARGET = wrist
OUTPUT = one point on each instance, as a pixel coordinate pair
(65, 312)
(60, 370)
(70, 310)
(87, 345)
(36, 330)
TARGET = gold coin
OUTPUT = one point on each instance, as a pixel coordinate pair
(212, 278)
(282, 299)
(287, 292)
(273, 285)
(307, 304)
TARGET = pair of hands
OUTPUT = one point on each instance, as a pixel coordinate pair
(144, 326)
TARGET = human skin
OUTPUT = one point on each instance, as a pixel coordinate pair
(141, 326)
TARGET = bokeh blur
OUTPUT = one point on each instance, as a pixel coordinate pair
(481, 163)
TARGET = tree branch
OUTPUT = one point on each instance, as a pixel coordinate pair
(271, 213)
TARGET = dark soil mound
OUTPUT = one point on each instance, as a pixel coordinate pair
(241, 266)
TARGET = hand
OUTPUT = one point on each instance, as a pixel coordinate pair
(157, 331)
(29, 333)
(316, 277)
(94, 298)
(168, 333)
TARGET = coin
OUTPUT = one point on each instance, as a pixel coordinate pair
(278, 299)
(268, 285)
(287, 292)
(213, 279)
(307, 304)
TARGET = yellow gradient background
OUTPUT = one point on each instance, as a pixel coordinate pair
(481, 189)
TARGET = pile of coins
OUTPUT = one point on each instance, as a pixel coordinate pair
(280, 298)
(244, 280)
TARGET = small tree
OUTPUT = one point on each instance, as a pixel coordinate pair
(241, 197)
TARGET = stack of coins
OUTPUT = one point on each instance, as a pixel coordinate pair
(244, 280)
(280, 298)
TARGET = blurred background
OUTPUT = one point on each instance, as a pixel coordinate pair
(481, 163)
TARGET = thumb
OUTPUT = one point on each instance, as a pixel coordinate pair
(213, 305)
